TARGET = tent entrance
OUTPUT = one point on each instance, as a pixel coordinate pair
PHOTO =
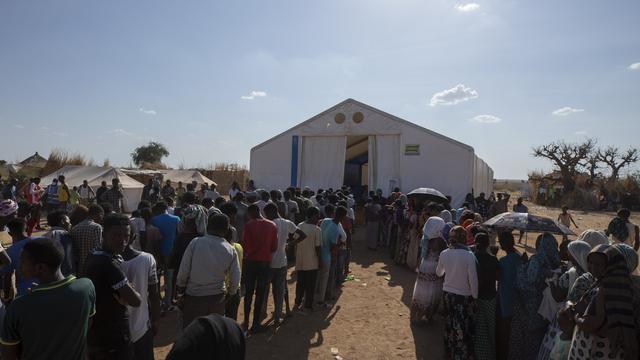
(356, 167)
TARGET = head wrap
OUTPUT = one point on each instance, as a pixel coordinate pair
(593, 237)
(630, 255)
(446, 216)
(8, 207)
(579, 250)
(548, 252)
(433, 227)
(210, 337)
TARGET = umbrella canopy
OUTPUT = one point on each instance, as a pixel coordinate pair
(527, 222)
(428, 194)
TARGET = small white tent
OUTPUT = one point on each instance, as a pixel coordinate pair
(360, 146)
(75, 175)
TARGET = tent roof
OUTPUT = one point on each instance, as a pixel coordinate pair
(370, 108)
(33, 158)
(75, 174)
(186, 176)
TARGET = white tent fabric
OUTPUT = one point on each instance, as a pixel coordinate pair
(186, 176)
(323, 161)
(387, 162)
(75, 175)
(483, 177)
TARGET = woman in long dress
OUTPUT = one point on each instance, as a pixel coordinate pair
(372, 217)
(413, 250)
(608, 328)
(427, 290)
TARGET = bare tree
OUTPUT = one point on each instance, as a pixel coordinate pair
(592, 164)
(616, 160)
(567, 157)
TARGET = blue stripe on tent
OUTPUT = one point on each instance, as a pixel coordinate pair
(294, 160)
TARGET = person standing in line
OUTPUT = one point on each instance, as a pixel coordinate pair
(35, 193)
(242, 215)
(278, 268)
(87, 195)
(308, 259)
(140, 269)
(485, 340)
(86, 237)
(64, 194)
(260, 241)
(206, 263)
(114, 196)
(458, 266)
(51, 321)
(233, 300)
(59, 226)
(101, 190)
(523, 209)
(508, 267)
(168, 226)
(109, 337)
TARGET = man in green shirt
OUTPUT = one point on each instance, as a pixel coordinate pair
(51, 321)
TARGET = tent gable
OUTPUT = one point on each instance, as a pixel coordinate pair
(374, 122)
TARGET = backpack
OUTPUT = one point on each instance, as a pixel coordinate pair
(618, 228)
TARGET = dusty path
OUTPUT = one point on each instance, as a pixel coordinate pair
(370, 320)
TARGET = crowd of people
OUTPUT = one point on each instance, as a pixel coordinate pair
(579, 299)
(184, 249)
(188, 249)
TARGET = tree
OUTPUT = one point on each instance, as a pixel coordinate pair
(150, 153)
(592, 164)
(567, 157)
(616, 160)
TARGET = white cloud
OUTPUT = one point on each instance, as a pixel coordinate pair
(634, 66)
(468, 7)
(580, 132)
(566, 111)
(456, 94)
(254, 94)
(148, 112)
(59, 133)
(120, 132)
(18, 126)
(485, 119)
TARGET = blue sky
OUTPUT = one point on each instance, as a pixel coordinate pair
(102, 77)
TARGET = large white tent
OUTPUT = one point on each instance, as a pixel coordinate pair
(355, 144)
(75, 175)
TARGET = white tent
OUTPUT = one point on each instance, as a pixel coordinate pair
(75, 175)
(184, 176)
(355, 144)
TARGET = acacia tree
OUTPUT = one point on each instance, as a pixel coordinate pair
(616, 160)
(151, 153)
(567, 157)
(592, 164)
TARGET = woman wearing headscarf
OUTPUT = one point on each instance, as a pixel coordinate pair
(427, 290)
(446, 216)
(528, 327)
(594, 237)
(607, 329)
(413, 250)
(631, 257)
(556, 344)
(460, 288)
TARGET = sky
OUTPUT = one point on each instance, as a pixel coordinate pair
(211, 79)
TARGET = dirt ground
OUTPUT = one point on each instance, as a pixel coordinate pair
(370, 319)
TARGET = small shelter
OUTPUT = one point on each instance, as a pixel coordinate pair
(75, 175)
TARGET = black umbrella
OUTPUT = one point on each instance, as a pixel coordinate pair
(527, 222)
(427, 194)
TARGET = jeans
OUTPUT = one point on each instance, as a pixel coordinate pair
(321, 283)
(143, 348)
(232, 305)
(256, 276)
(341, 266)
(278, 278)
(168, 288)
(306, 287)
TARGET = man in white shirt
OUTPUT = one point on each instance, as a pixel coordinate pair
(211, 193)
(140, 268)
(204, 267)
(460, 288)
(86, 193)
(278, 268)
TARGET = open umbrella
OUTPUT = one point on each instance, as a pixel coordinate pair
(427, 194)
(527, 222)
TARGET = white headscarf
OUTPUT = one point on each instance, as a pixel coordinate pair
(594, 238)
(446, 216)
(433, 227)
(579, 250)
